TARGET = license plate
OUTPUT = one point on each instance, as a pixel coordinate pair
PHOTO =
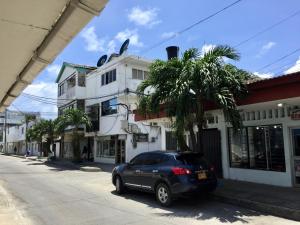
(202, 175)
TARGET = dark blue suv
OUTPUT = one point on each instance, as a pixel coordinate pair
(167, 174)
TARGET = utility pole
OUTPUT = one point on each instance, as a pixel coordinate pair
(5, 125)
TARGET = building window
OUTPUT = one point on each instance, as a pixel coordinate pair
(71, 82)
(106, 148)
(93, 114)
(81, 80)
(139, 74)
(108, 77)
(61, 89)
(109, 107)
(258, 147)
(238, 144)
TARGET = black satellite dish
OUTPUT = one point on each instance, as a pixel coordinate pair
(102, 60)
(113, 55)
(124, 47)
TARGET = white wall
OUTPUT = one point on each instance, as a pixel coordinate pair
(111, 124)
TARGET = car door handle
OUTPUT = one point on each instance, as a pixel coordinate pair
(154, 171)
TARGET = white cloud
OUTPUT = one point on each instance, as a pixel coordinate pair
(206, 48)
(142, 17)
(265, 48)
(111, 47)
(264, 75)
(132, 35)
(294, 68)
(108, 45)
(54, 68)
(93, 42)
(167, 35)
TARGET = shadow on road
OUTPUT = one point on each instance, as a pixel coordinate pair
(201, 207)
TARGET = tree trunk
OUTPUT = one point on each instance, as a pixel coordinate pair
(193, 136)
(61, 146)
(76, 147)
(182, 143)
(200, 122)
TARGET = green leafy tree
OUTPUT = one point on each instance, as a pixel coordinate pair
(182, 87)
(28, 118)
(74, 119)
(35, 133)
(44, 129)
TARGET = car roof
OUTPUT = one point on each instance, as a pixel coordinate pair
(172, 152)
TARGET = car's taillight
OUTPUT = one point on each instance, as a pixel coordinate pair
(181, 171)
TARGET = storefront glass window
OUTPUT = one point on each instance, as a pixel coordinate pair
(238, 145)
(106, 148)
(258, 147)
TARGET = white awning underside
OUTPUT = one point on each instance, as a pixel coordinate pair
(32, 34)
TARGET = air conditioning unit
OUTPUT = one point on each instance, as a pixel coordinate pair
(134, 128)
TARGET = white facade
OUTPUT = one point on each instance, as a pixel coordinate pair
(253, 116)
(110, 126)
(16, 137)
(71, 94)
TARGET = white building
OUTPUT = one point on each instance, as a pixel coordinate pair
(16, 140)
(110, 101)
(13, 118)
(71, 82)
(267, 149)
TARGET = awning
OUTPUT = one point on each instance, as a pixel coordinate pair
(32, 34)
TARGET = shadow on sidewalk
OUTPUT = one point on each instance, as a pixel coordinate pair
(199, 208)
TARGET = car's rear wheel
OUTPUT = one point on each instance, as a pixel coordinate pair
(163, 194)
(119, 185)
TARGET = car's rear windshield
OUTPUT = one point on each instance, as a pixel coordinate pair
(192, 159)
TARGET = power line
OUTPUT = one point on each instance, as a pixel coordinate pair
(279, 59)
(66, 99)
(47, 100)
(191, 26)
(267, 28)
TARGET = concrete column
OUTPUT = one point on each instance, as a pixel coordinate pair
(288, 148)
(163, 138)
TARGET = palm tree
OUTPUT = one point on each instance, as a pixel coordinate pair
(59, 130)
(28, 118)
(183, 86)
(74, 118)
(35, 133)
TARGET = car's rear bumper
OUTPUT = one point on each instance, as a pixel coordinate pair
(194, 187)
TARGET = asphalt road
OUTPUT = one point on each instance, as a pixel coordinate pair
(40, 194)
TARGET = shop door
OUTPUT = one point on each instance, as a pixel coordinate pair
(296, 156)
(120, 153)
(212, 149)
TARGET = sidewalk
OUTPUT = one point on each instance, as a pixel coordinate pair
(9, 215)
(278, 201)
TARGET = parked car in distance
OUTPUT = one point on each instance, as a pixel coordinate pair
(167, 174)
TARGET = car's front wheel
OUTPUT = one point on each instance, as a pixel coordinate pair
(163, 194)
(119, 185)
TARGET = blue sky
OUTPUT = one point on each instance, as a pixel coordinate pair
(149, 22)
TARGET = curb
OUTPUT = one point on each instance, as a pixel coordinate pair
(288, 213)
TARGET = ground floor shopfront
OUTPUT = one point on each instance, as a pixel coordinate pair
(267, 149)
(121, 148)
